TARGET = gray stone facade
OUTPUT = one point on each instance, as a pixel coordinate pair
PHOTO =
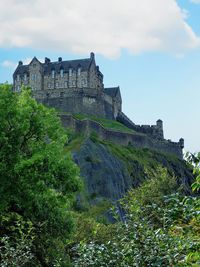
(74, 86)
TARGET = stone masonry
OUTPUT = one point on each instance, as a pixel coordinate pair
(74, 86)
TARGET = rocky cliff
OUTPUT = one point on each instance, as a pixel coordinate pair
(110, 170)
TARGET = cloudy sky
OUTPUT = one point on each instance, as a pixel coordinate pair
(150, 48)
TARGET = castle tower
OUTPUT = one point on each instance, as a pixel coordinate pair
(181, 142)
(159, 126)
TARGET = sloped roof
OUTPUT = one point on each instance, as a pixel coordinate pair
(21, 69)
(112, 91)
(84, 64)
(66, 65)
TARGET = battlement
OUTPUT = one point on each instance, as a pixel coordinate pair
(136, 139)
(155, 131)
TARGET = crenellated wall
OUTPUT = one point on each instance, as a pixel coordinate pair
(138, 140)
(155, 131)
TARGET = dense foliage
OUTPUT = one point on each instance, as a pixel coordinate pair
(161, 229)
(38, 182)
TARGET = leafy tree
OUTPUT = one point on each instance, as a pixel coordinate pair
(194, 161)
(161, 229)
(38, 181)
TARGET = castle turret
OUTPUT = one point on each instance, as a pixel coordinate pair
(181, 142)
(159, 126)
(47, 60)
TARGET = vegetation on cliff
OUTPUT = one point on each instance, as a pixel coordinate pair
(106, 123)
(110, 170)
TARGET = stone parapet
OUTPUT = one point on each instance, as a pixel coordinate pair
(155, 131)
(135, 139)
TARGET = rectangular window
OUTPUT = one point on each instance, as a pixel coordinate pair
(84, 82)
(25, 77)
(79, 71)
(65, 84)
(18, 78)
(53, 74)
(70, 72)
(74, 83)
(61, 73)
(57, 85)
(34, 77)
(49, 85)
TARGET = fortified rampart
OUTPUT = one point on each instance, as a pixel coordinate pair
(78, 101)
(155, 131)
(138, 140)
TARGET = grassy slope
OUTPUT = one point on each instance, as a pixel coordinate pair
(108, 124)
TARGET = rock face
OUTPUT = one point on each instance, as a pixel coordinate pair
(104, 174)
(109, 171)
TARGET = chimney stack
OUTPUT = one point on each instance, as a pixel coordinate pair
(92, 56)
(47, 60)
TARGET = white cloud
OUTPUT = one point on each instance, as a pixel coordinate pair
(8, 64)
(195, 1)
(105, 27)
(12, 65)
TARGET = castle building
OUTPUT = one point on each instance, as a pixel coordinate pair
(74, 86)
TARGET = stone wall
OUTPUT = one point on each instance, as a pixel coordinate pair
(137, 140)
(77, 101)
(156, 131)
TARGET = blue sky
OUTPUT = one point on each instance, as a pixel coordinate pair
(151, 49)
